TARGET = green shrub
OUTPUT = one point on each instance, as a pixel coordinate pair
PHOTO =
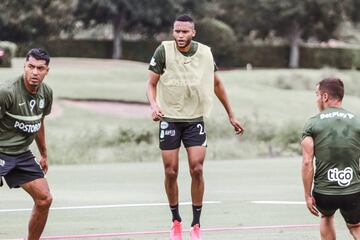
(217, 35)
(318, 57)
(9, 45)
(288, 138)
(132, 136)
(294, 81)
(9, 52)
(141, 50)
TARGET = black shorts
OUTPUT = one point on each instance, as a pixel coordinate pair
(190, 133)
(349, 206)
(19, 169)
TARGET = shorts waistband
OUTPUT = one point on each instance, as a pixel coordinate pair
(198, 119)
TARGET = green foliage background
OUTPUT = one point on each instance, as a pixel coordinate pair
(272, 104)
(227, 53)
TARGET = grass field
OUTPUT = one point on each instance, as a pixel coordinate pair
(233, 185)
(273, 105)
(128, 197)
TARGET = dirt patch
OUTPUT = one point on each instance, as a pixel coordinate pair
(121, 109)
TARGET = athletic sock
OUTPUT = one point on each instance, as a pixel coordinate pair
(196, 215)
(175, 213)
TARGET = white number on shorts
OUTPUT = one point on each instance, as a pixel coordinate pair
(202, 132)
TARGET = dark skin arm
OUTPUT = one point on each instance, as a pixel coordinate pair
(41, 144)
(153, 80)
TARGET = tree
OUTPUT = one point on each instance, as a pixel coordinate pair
(22, 20)
(292, 19)
(144, 16)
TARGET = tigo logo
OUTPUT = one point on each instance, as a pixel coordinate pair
(342, 177)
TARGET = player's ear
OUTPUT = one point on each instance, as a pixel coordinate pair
(194, 33)
(47, 71)
(325, 97)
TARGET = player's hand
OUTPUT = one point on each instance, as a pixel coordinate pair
(237, 126)
(44, 164)
(310, 203)
(157, 114)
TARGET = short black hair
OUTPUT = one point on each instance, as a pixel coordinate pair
(38, 54)
(184, 18)
(332, 86)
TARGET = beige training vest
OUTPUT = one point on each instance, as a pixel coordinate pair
(186, 87)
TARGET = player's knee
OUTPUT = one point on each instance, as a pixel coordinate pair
(44, 201)
(171, 173)
(355, 226)
(354, 229)
(197, 171)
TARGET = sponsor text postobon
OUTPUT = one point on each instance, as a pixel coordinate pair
(29, 128)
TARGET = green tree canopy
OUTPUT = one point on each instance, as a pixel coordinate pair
(24, 21)
(292, 19)
(144, 16)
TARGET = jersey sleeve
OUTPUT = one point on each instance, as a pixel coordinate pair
(215, 67)
(308, 129)
(157, 63)
(4, 102)
(49, 101)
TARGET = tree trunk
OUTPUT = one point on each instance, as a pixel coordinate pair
(295, 38)
(118, 27)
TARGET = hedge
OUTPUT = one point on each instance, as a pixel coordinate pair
(132, 50)
(342, 58)
(239, 55)
(260, 56)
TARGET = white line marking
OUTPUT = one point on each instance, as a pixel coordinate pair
(106, 206)
(280, 202)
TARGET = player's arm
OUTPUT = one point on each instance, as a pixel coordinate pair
(40, 137)
(151, 95)
(156, 68)
(41, 144)
(4, 102)
(307, 172)
(222, 96)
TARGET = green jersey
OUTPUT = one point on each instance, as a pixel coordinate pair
(20, 114)
(336, 135)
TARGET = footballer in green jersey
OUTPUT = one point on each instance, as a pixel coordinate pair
(332, 138)
(24, 103)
